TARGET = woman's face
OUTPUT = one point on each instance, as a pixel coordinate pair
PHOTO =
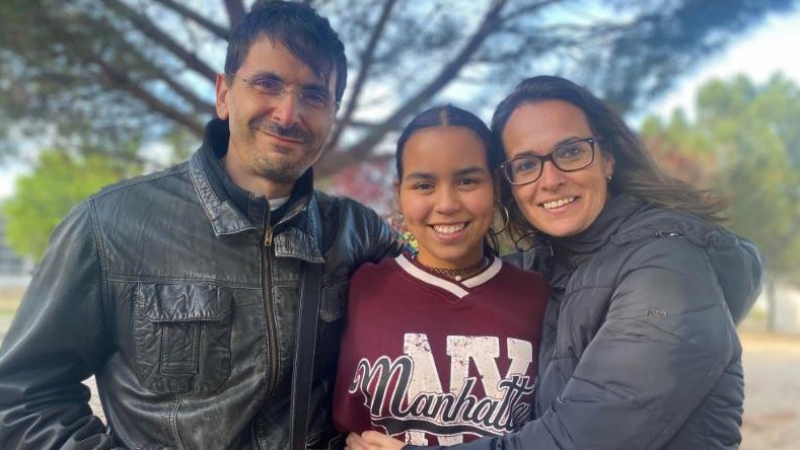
(559, 203)
(446, 195)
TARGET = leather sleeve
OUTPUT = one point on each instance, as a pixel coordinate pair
(57, 339)
(372, 238)
(386, 242)
(664, 344)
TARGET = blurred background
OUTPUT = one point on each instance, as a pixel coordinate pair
(92, 91)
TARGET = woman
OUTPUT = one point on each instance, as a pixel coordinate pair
(639, 347)
(441, 348)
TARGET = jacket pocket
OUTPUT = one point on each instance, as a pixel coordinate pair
(182, 337)
(333, 301)
(332, 311)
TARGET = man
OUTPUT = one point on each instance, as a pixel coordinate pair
(179, 290)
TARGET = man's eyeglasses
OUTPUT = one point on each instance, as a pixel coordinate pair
(311, 99)
(568, 157)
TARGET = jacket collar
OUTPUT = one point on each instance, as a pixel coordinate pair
(297, 234)
(557, 258)
(605, 226)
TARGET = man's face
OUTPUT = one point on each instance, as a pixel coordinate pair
(280, 114)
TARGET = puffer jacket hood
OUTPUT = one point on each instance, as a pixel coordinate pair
(735, 260)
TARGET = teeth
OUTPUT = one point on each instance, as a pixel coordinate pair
(559, 202)
(449, 229)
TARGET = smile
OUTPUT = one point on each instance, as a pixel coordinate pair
(283, 138)
(558, 203)
(291, 136)
(449, 228)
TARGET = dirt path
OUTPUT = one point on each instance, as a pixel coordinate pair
(772, 390)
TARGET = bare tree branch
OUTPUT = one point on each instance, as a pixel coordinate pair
(178, 86)
(408, 57)
(122, 82)
(216, 30)
(363, 124)
(362, 149)
(149, 29)
(366, 64)
(533, 7)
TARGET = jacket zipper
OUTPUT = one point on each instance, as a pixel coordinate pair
(272, 385)
(266, 282)
(254, 444)
(268, 310)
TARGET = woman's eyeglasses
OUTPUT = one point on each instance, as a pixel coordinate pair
(569, 157)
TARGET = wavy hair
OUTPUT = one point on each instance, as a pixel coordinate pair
(635, 171)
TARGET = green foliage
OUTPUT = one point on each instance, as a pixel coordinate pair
(753, 133)
(108, 77)
(43, 198)
(130, 69)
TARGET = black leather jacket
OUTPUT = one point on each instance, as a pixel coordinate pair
(639, 347)
(175, 291)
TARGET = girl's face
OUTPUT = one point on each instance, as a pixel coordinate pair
(446, 195)
(559, 203)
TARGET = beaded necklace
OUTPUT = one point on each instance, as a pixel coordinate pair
(459, 273)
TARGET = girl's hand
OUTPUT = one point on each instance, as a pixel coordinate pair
(372, 440)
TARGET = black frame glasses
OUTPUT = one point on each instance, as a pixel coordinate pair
(508, 167)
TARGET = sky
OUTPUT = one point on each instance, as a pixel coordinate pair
(759, 54)
(763, 51)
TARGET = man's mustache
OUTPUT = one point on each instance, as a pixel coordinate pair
(291, 132)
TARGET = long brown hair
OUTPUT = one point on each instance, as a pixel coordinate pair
(635, 171)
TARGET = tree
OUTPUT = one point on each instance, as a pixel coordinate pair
(746, 139)
(96, 73)
(59, 181)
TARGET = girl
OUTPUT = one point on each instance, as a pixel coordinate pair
(441, 347)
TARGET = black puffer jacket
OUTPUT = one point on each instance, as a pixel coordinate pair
(639, 349)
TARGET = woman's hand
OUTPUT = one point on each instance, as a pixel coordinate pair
(372, 440)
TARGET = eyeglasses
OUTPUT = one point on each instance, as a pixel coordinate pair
(311, 99)
(569, 157)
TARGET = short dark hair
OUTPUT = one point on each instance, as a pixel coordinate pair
(635, 171)
(305, 33)
(452, 116)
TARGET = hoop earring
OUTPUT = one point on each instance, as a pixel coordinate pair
(506, 217)
(396, 220)
(407, 240)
